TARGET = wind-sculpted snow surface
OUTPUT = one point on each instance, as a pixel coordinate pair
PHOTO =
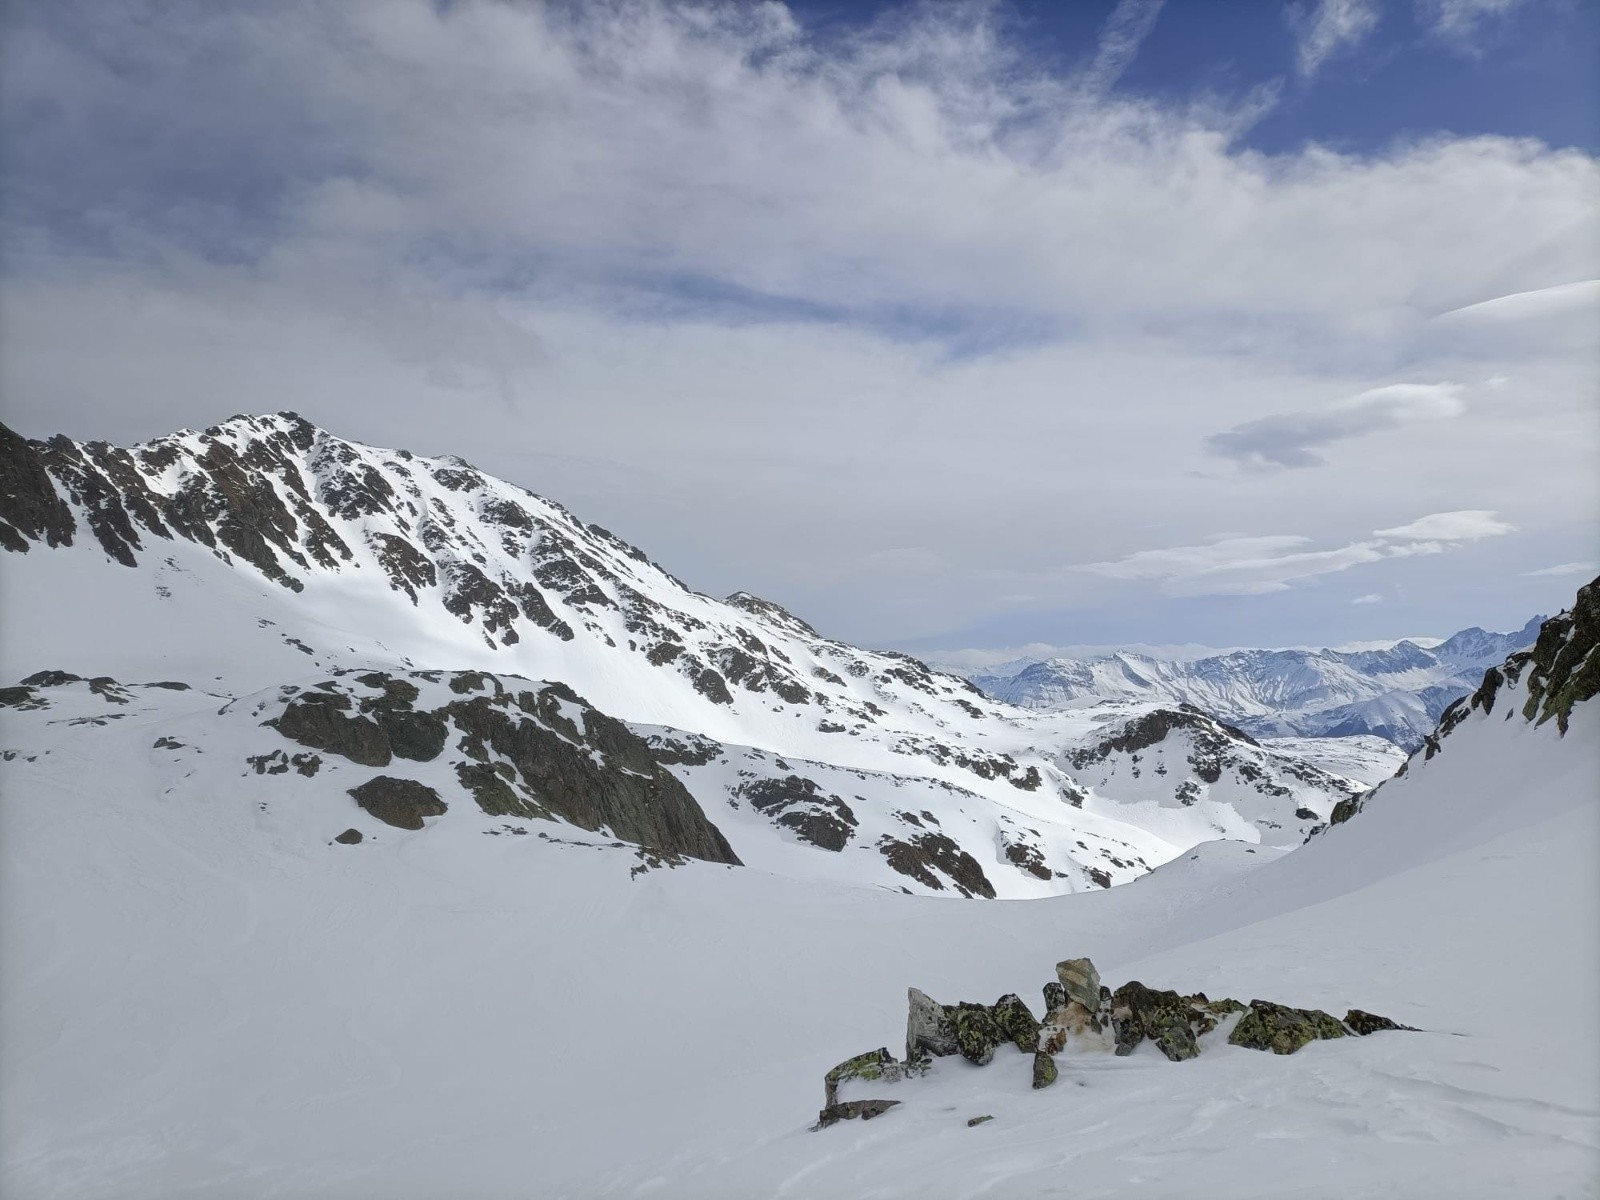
(253, 555)
(200, 996)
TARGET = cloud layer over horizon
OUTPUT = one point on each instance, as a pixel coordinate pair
(896, 324)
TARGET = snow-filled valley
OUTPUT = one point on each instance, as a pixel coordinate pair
(538, 971)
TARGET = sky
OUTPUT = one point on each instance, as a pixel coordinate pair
(949, 326)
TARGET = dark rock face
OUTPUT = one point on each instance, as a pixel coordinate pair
(1563, 666)
(926, 853)
(602, 775)
(526, 753)
(350, 837)
(402, 803)
(30, 508)
(318, 720)
(799, 804)
(1281, 1029)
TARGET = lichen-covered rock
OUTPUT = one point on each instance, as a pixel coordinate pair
(1281, 1029)
(977, 1033)
(1044, 1070)
(928, 1029)
(848, 1110)
(399, 802)
(1138, 1012)
(876, 1065)
(1363, 1023)
(1055, 996)
(1080, 981)
(1016, 1023)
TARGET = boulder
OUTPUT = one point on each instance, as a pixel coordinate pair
(1055, 996)
(1363, 1023)
(1080, 981)
(350, 837)
(974, 1121)
(1016, 1023)
(877, 1065)
(1138, 1012)
(399, 802)
(1281, 1029)
(850, 1110)
(1044, 1070)
(976, 1032)
(928, 1030)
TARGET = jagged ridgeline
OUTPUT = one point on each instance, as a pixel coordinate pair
(267, 557)
(1539, 685)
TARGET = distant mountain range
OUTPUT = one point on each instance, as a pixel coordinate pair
(1397, 692)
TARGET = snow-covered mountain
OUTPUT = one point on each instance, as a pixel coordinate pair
(377, 611)
(1396, 693)
(200, 996)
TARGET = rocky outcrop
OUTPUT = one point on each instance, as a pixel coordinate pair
(402, 803)
(520, 750)
(1083, 1012)
(1281, 1029)
(1560, 671)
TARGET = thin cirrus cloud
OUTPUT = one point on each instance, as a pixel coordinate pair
(1124, 32)
(1253, 566)
(1288, 440)
(1562, 569)
(1332, 27)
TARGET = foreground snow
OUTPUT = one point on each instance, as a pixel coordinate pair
(200, 1000)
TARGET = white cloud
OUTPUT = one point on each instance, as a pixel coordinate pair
(1461, 21)
(772, 305)
(1571, 568)
(1332, 27)
(1286, 439)
(1467, 525)
(1369, 598)
(1124, 32)
(1250, 566)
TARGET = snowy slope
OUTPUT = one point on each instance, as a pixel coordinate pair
(265, 553)
(202, 998)
(1396, 691)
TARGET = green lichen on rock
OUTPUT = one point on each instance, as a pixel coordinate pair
(977, 1034)
(1139, 1012)
(1044, 1070)
(1015, 1023)
(875, 1065)
(1564, 665)
(1281, 1029)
